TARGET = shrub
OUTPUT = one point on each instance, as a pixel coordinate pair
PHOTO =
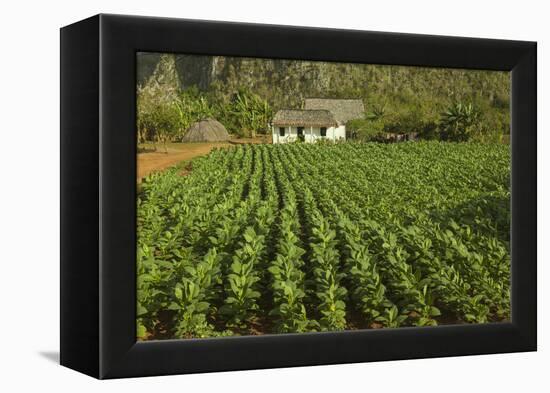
(365, 130)
(459, 122)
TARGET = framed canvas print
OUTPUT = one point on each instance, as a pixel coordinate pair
(239, 196)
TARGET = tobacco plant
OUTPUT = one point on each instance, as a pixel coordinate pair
(305, 237)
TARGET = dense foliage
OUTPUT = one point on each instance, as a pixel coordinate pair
(165, 111)
(298, 238)
(167, 118)
(243, 94)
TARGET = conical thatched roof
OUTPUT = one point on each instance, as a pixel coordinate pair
(208, 130)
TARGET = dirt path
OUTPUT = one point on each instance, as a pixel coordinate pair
(156, 161)
(258, 139)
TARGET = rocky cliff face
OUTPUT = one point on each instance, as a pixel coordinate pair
(284, 83)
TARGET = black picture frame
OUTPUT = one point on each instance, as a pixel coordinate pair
(98, 196)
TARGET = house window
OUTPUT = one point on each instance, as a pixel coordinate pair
(281, 131)
(323, 131)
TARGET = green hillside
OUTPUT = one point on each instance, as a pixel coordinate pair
(398, 98)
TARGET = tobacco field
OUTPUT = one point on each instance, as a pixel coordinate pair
(263, 239)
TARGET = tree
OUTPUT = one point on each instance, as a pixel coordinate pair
(164, 123)
(156, 117)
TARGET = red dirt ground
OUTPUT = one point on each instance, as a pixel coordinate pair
(156, 161)
(151, 161)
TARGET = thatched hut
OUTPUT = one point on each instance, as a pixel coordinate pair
(208, 130)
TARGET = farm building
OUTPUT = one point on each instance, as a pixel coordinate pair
(208, 130)
(320, 119)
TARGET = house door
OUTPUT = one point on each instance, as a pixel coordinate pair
(300, 133)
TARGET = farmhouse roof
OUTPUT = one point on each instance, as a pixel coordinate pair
(343, 109)
(302, 117)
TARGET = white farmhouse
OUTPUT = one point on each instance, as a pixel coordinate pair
(321, 118)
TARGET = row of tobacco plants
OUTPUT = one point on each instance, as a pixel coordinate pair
(302, 238)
